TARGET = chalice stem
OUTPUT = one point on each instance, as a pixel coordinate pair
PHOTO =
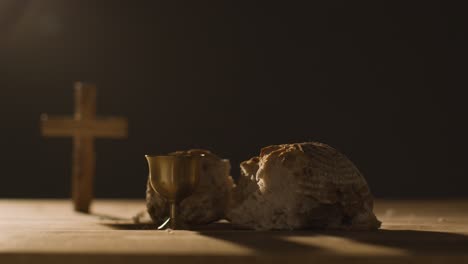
(173, 214)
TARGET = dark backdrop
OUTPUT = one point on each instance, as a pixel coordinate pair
(382, 81)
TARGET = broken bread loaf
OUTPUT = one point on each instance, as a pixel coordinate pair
(298, 186)
(208, 201)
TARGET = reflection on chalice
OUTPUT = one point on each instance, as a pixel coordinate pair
(174, 178)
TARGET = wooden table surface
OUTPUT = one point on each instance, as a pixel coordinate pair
(48, 231)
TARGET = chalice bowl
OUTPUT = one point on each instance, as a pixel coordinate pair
(174, 178)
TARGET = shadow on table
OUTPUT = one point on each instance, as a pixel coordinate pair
(412, 241)
(274, 242)
(124, 224)
(264, 242)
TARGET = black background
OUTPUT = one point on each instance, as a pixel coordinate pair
(382, 81)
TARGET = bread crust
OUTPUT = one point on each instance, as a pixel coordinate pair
(299, 186)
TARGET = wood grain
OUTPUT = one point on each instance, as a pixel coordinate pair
(48, 231)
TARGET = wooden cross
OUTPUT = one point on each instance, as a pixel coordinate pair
(83, 127)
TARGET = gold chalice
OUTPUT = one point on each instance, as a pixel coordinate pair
(174, 178)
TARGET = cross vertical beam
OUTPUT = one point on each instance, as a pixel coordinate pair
(84, 157)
